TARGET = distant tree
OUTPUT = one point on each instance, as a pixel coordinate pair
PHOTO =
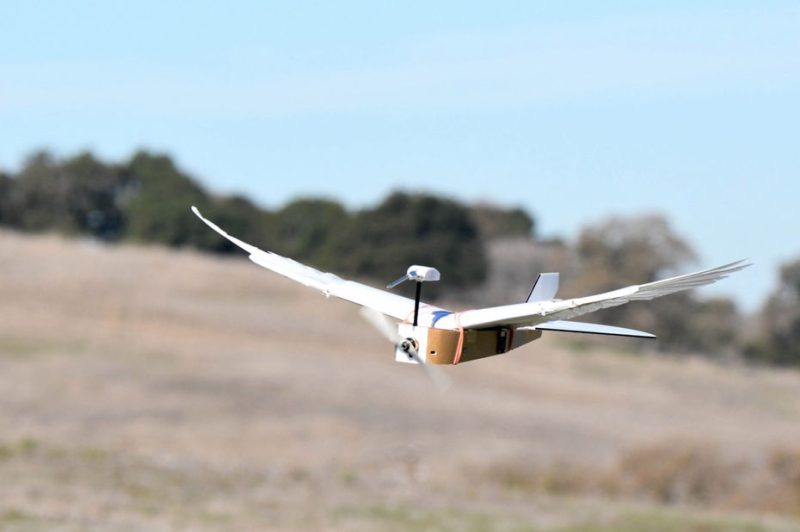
(408, 229)
(495, 222)
(622, 251)
(716, 326)
(76, 196)
(157, 209)
(40, 198)
(94, 199)
(241, 217)
(683, 322)
(8, 214)
(311, 229)
(780, 338)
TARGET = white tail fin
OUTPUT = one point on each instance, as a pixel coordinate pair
(545, 288)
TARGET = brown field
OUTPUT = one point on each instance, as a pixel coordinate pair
(147, 389)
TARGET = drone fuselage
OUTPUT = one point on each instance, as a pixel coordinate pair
(444, 346)
(438, 336)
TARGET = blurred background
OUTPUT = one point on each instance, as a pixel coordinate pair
(153, 379)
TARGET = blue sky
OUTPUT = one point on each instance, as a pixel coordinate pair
(572, 110)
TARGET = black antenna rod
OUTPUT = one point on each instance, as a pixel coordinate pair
(416, 302)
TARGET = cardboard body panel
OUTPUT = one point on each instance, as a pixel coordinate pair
(441, 345)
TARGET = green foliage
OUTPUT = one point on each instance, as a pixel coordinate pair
(7, 189)
(76, 196)
(157, 210)
(94, 195)
(241, 217)
(147, 199)
(415, 229)
(312, 230)
(779, 342)
(497, 222)
(37, 198)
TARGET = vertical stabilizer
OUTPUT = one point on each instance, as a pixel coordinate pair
(545, 288)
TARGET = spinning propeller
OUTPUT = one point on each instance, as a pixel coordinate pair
(409, 346)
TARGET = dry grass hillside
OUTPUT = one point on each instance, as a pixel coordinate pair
(147, 389)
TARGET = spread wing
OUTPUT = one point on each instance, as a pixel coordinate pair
(393, 305)
(548, 311)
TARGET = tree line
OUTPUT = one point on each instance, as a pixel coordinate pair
(146, 198)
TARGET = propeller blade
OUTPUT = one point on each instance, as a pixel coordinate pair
(382, 323)
(437, 376)
(388, 329)
(397, 281)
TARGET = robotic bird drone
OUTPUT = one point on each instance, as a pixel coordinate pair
(426, 334)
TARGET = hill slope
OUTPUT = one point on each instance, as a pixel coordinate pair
(147, 388)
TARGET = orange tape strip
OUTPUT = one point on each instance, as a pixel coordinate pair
(460, 346)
